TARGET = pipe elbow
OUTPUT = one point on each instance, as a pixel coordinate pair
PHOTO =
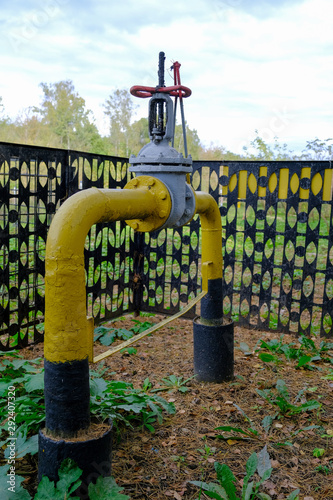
(208, 211)
(211, 255)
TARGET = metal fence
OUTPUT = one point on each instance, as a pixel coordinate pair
(277, 243)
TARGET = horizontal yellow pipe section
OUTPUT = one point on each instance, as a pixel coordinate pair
(68, 331)
(211, 242)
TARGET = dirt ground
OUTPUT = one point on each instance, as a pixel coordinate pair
(160, 465)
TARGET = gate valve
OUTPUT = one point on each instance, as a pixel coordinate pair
(157, 158)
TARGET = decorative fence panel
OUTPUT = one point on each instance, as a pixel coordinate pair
(278, 256)
(277, 243)
(34, 182)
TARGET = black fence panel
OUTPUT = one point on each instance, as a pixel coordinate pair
(34, 181)
(277, 243)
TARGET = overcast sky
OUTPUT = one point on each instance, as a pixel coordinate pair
(251, 64)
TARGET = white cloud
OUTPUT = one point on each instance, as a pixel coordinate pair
(251, 64)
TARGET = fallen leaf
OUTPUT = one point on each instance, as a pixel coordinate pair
(231, 442)
(228, 402)
(329, 432)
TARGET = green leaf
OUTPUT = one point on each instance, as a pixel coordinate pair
(307, 343)
(47, 491)
(212, 490)
(310, 405)
(264, 462)
(226, 479)
(248, 491)
(318, 452)
(303, 360)
(100, 331)
(124, 334)
(282, 389)
(69, 473)
(251, 465)
(263, 496)
(267, 358)
(106, 488)
(24, 445)
(98, 386)
(129, 350)
(108, 338)
(35, 382)
(289, 352)
(293, 495)
(227, 428)
(266, 423)
(19, 493)
(245, 348)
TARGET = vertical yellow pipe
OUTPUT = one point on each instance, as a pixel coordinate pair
(211, 227)
(68, 332)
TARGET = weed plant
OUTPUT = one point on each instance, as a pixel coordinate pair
(110, 399)
(258, 470)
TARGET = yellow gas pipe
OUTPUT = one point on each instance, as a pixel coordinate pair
(211, 239)
(68, 331)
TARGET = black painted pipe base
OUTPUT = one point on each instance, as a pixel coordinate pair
(93, 456)
(213, 351)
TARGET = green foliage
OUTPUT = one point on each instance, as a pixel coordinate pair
(206, 451)
(237, 433)
(258, 465)
(27, 378)
(64, 112)
(281, 399)
(129, 350)
(325, 469)
(318, 150)
(260, 150)
(172, 382)
(306, 353)
(107, 336)
(69, 474)
(121, 402)
(318, 452)
(69, 480)
(19, 494)
(106, 488)
(109, 399)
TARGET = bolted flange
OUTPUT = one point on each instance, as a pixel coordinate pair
(162, 200)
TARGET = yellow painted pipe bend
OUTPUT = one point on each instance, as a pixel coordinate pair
(211, 239)
(68, 331)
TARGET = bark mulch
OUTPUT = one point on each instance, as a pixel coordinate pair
(184, 447)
